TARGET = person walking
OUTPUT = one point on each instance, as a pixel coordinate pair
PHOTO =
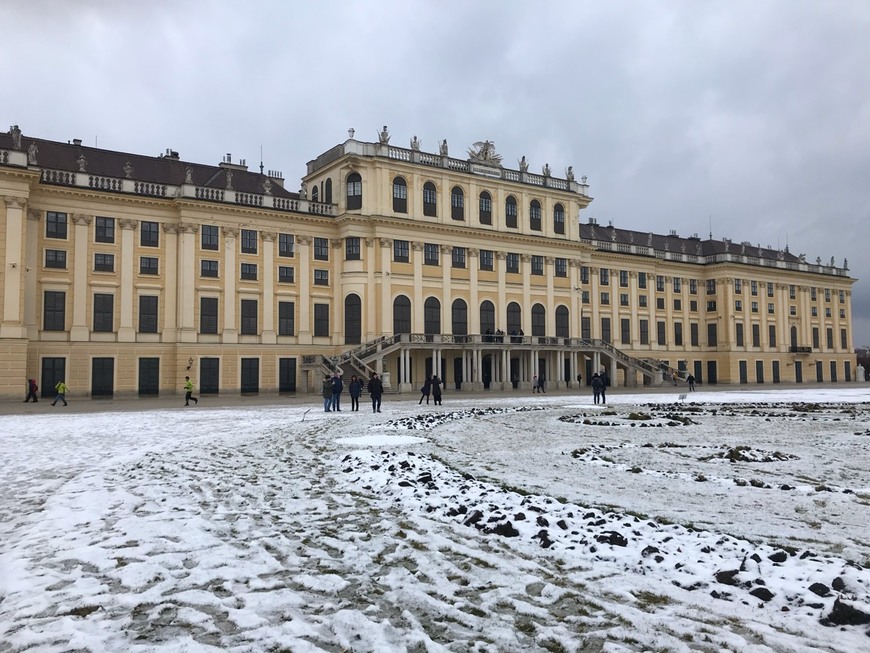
(691, 381)
(674, 378)
(436, 390)
(541, 385)
(579, 380)
(426, 390)
(326, 393)
(354, 388)
(376, 389)
(31, 390)
(337, 388)
(597, 387)
(61, 388)
(535, 383)
(188, 392)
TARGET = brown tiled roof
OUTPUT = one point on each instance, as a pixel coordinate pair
(151, 169)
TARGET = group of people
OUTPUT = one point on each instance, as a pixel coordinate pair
(599, 385)
(690, 380)
(538, 384)
(60, 389)
(431, 386)
(333, 386)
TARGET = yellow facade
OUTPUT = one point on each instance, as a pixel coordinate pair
(122, 274)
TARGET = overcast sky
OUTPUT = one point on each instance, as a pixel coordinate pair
(747, 118)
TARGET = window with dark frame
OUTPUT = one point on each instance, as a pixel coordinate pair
(512, 263)
(105, 230)
(248, 272)
(559, 219)
(55, 258)
(459, 257)
(561, 267)
(354, 191)
(286, 245)
(430, 200)
(401, 251)
(249, 241)
(286, 274)
(56, 225)
(485, 211)
(623, 278)
(209, 237)
(149, 234)
(641, 280)
(286, 318)
(208, 315)
(148, 265)
(661, 334)
(584, 274)
(54, 310)
(738, 334)
(644, 332)
(248, 326)
(537, 265)
(321, 277)
(535, 215)
(208, 268)
(457, 203)
(104, 313)
(321, 249)
(321, 320)
(104, 262)
(430, 254)
(352, 248)
(487, 259)
(148, 313)
(511, 214)
(400, 195)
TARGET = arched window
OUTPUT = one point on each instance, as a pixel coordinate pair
(459, 318)
(559, 219)
(485, 208)
(354, 191)
(430, 200)
(401, 315)
(562, 330)
(487, 317)
(431, 316)
(327, 191)
(535, 215)
(539, 320)
(794, 342)
(352, 320)
(510, 212)
(400, 195)
(514, 318)
(314, 195)
(457, 203)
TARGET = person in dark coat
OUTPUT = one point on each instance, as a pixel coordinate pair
(691, 381)
(354, 388)
(597, 387)
(426, 390)
(541, 384)
(436, 390)
(580, 380)
(337, 388)
(326, 392)
(31, 390)
(376, 389)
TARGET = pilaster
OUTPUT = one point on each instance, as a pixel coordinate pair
(80, 331)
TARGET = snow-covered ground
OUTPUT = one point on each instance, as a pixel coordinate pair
(735, 521)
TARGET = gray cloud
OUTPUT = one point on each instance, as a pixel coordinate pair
(750, 119)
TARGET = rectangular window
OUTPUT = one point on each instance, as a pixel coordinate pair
(148, 314)
(678, 334)
(711, 305)
(286, 274)
(209, 237)
(430, 254)
(604, 276)
(55, 225)
(459, 257)
(792, 310)
(792, 291)
(149, 234)
(249, 241)
(844, 340)
(537, 265)
(510, 214)
(694, 338)
(842, 313)
(693, 305)
(208, 315)
(286, 318)
(208, 268)
(693, 286)
(641, 280)
(148, 265)
(738, 286)
(756, 335)
(813, 294)
(54, 311)
(321, 320)
(753, 288)
(678, 284)
(486, 259)
(401, 251)
(814, 311)
(644, 332)
(104, 312)
(770, 309)
(321, 249)
(829, 337)
(711, 286)
(605, 330)
(512, 263)
(321, 277)
(816, 340)
(660, 283)
(660, 303)
(827, 294)
(770, 289)
(586, 327)
(827, 311)
(249, 271)
(739, 333)
(625, 331)
(584, 274)
(249, 317)
(352, 248)
(561, 269)
(104, 262)
(623, 278)
(286, 245)
(738, 304)
(105, 230)
(660, 333)
(842, 296)
(55, 258)
(605, 298)
(642, 301)
(754, 307)
(771, 335)
(678, 304)
(623, 299)
(712, 335)
(584, 296)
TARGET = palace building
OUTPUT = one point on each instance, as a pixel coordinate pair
(122, 274)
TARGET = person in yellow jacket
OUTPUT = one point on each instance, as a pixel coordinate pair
(61, 389)
(188, 392)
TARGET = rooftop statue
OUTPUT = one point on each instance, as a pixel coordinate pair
(415, 144)
(524, 165)
(484, 152)
(443, 147)
(384, 136)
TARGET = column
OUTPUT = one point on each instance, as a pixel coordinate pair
(32, 264)
(170, 285)
(127, 267)
(501, 308)
(386, 323)
(183, 236)
(473, 299)
(269, 333)
(525, 262)
(230, 273)
(80, 330)
(12, 324)
(336, 286)
(417, 325)
(446, 294)
(304, 284)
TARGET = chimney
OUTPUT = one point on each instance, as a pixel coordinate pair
(77, 141)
